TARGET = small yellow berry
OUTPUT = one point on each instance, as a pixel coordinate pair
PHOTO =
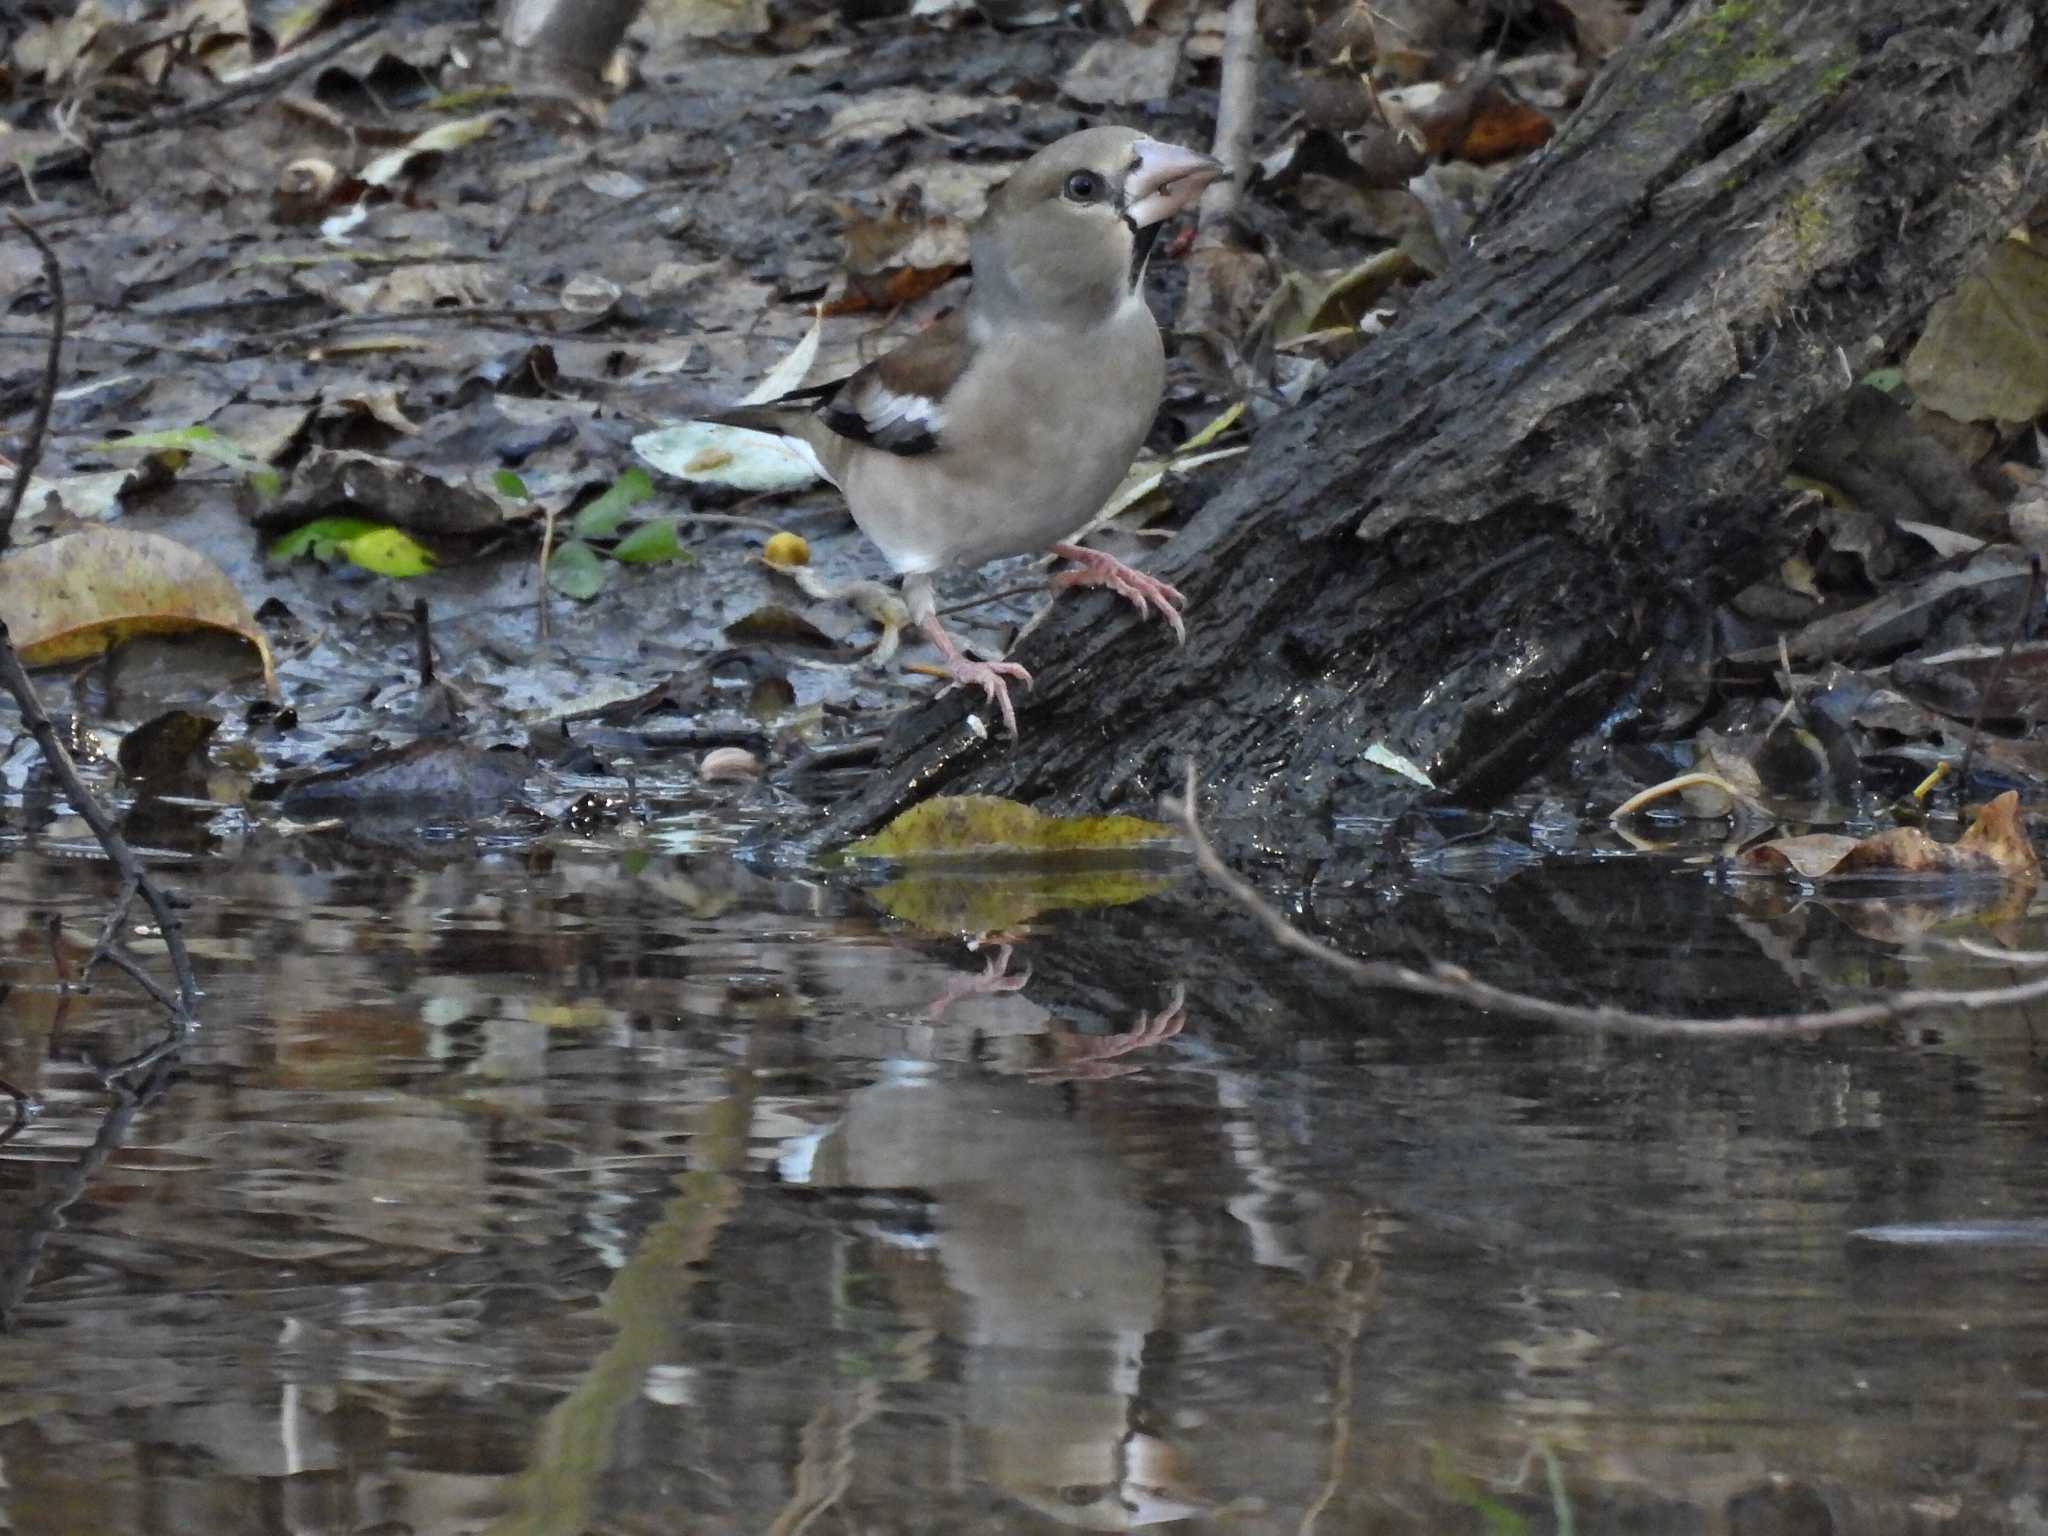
(786, 549)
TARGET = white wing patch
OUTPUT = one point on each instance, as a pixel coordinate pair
(873, 412)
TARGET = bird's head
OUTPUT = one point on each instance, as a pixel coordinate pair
(1066, 237)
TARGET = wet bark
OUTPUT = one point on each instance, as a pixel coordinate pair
(1489, 531)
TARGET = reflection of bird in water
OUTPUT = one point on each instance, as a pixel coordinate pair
(1043, 1235)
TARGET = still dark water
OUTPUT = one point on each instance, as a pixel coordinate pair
(612, 1187)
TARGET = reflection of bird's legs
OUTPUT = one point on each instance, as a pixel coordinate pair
(991, 677)
(994, 977)
(1095, 1056)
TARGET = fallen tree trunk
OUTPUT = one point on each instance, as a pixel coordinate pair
(1483, 535)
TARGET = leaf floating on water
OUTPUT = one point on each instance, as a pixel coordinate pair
(78, 596)
(952, 825)
(1996, 844)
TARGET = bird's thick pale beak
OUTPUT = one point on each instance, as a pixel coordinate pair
(1165, 180)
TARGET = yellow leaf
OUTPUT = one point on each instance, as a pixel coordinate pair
(985, 824)
(81, 594)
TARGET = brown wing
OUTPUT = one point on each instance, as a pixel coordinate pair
(898, 402)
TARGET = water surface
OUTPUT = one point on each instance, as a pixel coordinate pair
(611, 1187)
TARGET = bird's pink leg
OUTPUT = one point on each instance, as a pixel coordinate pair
(989, 676)
(1148, 593)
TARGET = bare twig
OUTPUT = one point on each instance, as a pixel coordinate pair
(273, 75)
(183, 1006)
(86, 339)
(39, 424)
(423, 635)
(1237, 109)
(1453, 984)
(445, 313)
(131, 1097)
(110, 934)
(547, 550)
(54, 930)
(2019, 633)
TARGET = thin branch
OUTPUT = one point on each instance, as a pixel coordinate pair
(1453, 984)
(110, 932)
(87, 339)
(1237, 111)
(39, 424)
(183, 1007)
(444, 312)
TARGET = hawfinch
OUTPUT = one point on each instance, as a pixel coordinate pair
(1006, 425)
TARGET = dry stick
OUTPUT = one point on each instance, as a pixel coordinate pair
(547, 549)
(39, 424)
(183, 1006)
(409, 317)
(423, 634)
(1453, 984)
(1237, 110)
(275, 74)
(2019, 633)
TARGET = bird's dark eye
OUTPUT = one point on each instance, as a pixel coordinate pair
(1084, 186)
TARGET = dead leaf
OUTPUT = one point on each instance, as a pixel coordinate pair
(1995, 844)
(1953, 683)
(867, 293)
(1120, 71)
(329, 481)
(1984, 353)
(81, 594)
(884, 114)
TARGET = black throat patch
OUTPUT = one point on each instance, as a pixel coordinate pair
(1141, 248)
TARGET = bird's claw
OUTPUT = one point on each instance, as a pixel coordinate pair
(1148, 594)
(992, 678)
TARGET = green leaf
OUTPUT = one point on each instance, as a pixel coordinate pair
(602, 517)
(320, 538)
(651, 542)
(200, 440)
(509, 484)
(390, 552)
(374, 546)
(576, 570)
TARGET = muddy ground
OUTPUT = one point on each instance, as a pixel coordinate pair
(390, 289)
